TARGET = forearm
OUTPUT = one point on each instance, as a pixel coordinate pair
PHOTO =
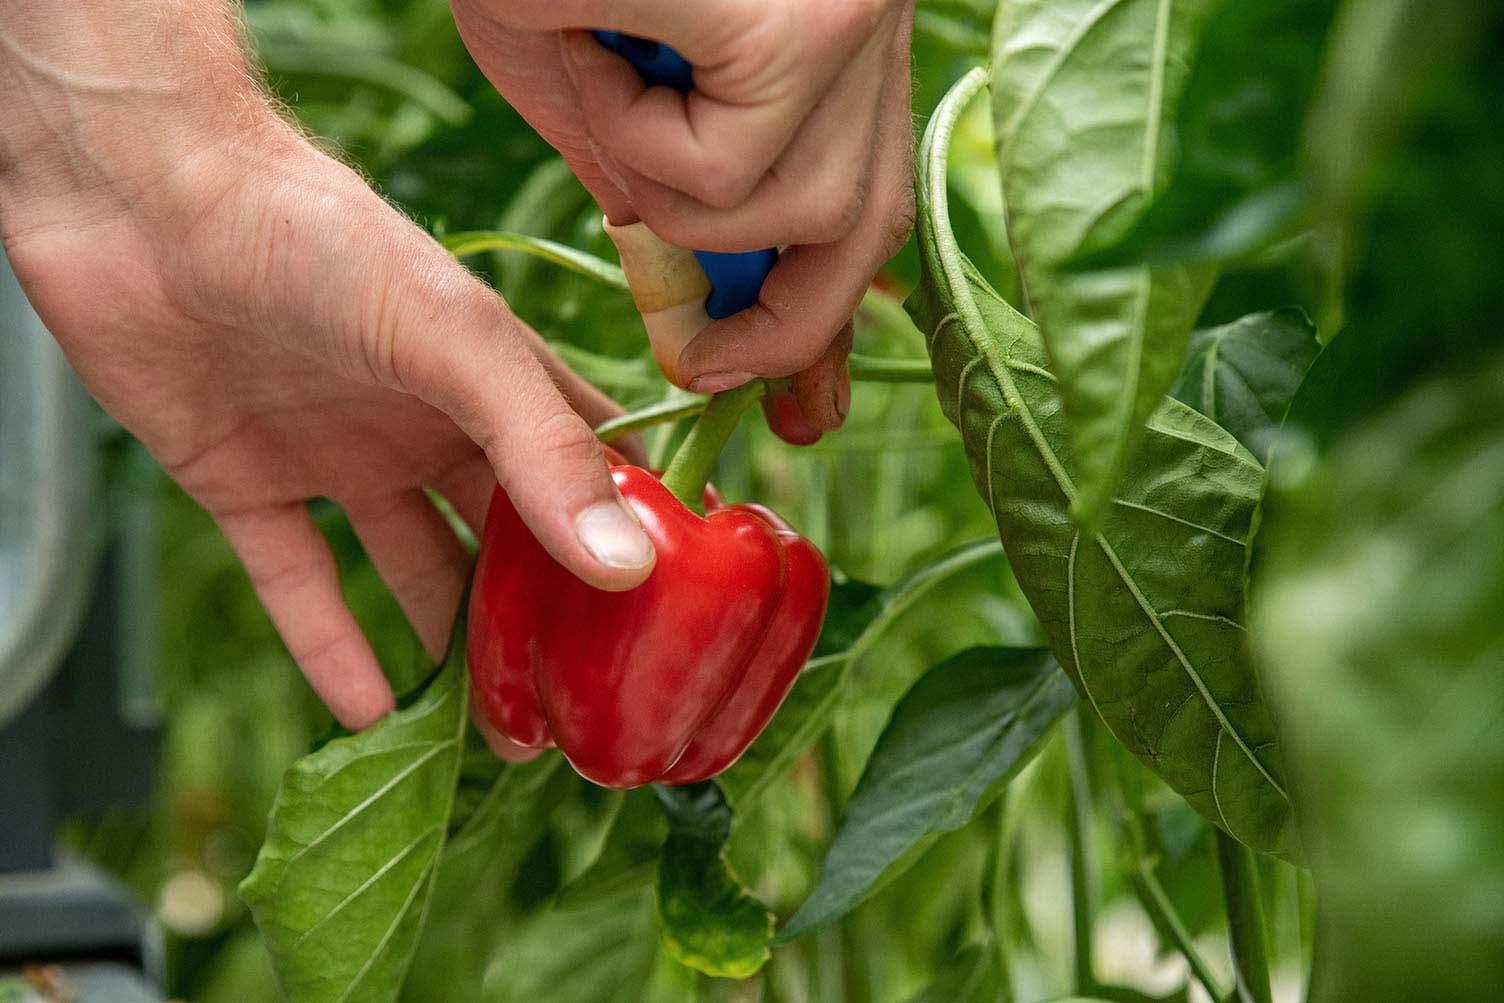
(108, 105)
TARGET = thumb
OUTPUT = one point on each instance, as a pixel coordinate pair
(470, 356)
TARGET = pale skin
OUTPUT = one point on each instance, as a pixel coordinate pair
(273, 331)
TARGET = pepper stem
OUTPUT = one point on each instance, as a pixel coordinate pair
(689, 470)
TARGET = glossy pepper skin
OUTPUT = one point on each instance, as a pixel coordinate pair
(668, 682)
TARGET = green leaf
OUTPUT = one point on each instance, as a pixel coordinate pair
(470, 914)
(1146, 613)
(628, 855)
(340, 887)
(1379, 623)
(1406, 140)
(972, 976)
(707, 920)
(1081, 92)
(1243, 375)
(953, 741)
(1236, 182)
(462, 245)
(855, 620)
(601, 954)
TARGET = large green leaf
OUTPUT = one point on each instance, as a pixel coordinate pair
(1081, 93)
(1236, 181)
(965, 728)
(342, 883)
(1381, 625)
(1146, 613)
(472, 915)
(1243, 375)
(707, 920)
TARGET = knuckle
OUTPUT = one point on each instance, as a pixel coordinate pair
(834, 209)
(405, 313)
(722, 181)
(564, 437)
(802, 353)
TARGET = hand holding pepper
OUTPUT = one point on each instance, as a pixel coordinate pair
(669, 682)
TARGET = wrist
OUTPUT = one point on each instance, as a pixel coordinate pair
(111, 113)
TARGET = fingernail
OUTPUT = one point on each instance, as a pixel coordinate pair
(843, 399)
(714, 383)
(613, 536)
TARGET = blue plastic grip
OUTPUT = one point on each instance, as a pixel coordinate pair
(735, 277)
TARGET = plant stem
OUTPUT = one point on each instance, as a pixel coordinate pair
(1151, 895)
(1078, 825)
(1245, 920)
(690, 468)
(871, 369)
(994, 887)
(854, 966)
(654, 414)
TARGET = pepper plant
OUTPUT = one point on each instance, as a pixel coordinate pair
(1165, 543)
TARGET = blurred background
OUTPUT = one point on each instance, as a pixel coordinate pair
(163, 708)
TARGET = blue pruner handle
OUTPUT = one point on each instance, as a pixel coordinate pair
(736, 277)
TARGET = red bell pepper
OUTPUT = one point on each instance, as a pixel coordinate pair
(668, 682)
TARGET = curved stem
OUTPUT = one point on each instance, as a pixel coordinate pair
(690, 468)
(871, 369)
(1078, 825)
(654, 414)
(1245, 920)
(1150, 893)
(1152, 896)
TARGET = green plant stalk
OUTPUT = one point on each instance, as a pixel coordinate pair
(661, 413)
(1078, 826)
(689, 470)
(854, 972)
(1151, 894)
(1245, 920)
(1305, 907)
(999, 852)
(871, 369)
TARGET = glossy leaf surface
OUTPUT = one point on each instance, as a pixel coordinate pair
(1082, 91)
(1147, 613)
(966, 727)
(343, 880)
(1243, 375)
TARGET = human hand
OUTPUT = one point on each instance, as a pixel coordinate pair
(273, 331)
(797, 133)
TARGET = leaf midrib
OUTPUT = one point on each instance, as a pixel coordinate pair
(971, 321)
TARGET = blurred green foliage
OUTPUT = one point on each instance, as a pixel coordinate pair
(387, 85)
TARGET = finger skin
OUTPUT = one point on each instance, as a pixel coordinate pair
(824, 389)
(419, 558)
(476, 361)
(787, 419)
(814, 290)
(295, 577)
(812, 194)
